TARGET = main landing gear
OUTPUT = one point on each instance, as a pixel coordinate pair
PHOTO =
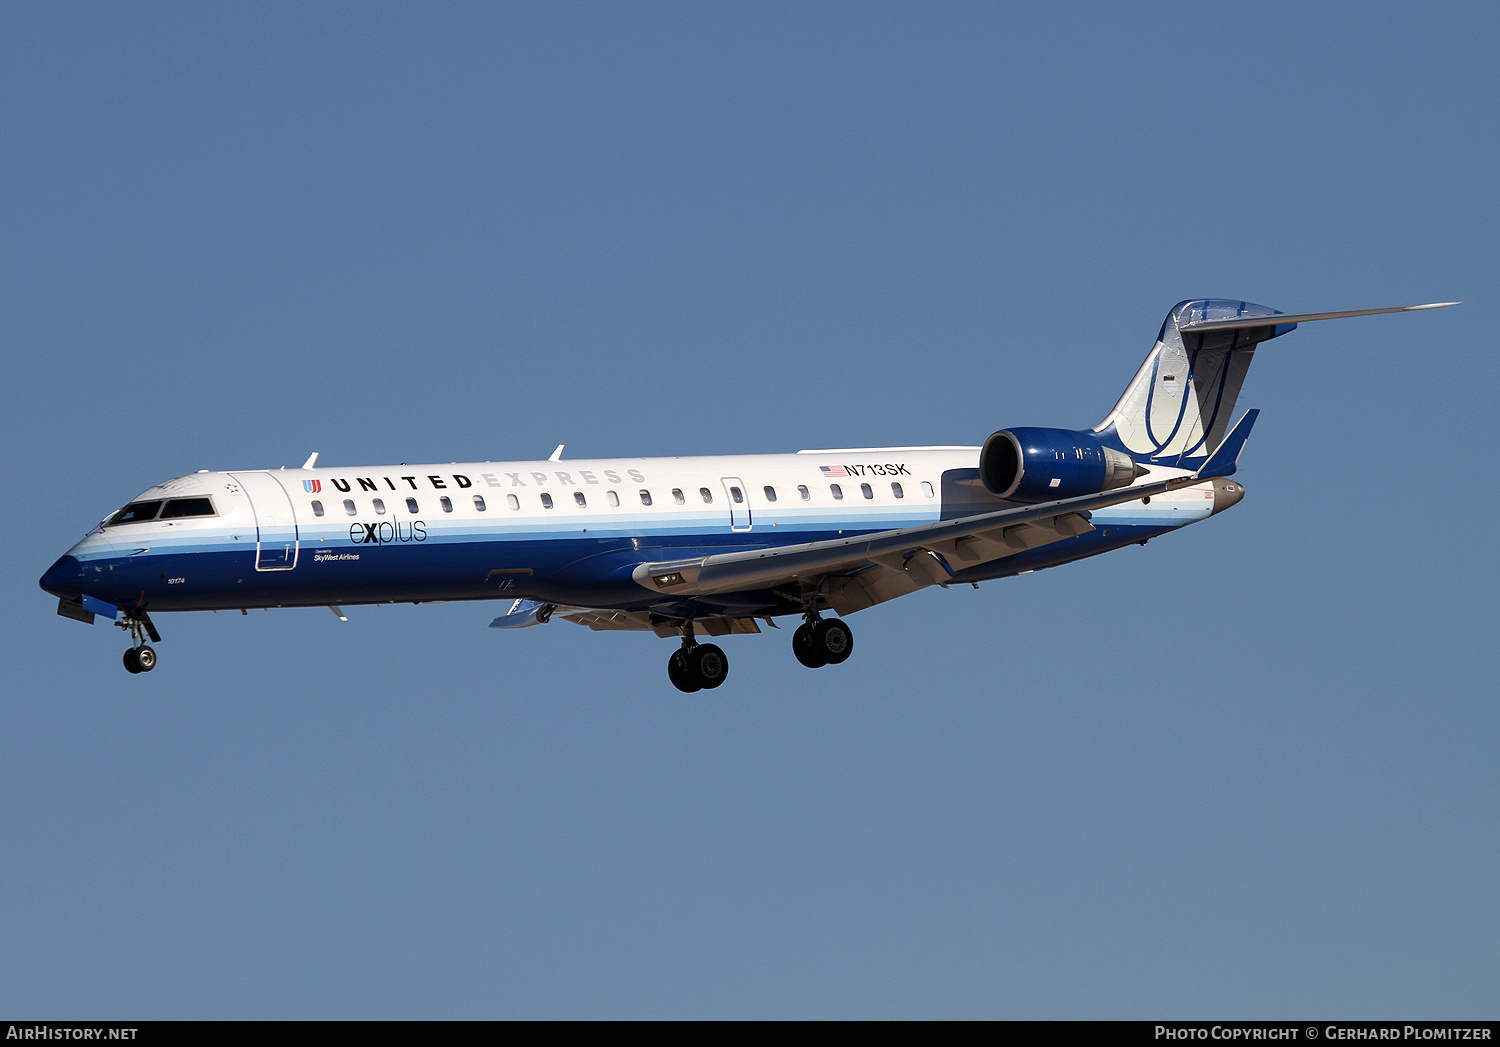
(822, 641)
(697, 666)
(141, 658)
(703, 666)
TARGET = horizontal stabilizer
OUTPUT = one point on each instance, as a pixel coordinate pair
(1226, 456)
(1277, 319)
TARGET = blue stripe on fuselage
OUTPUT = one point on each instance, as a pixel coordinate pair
(458, 561)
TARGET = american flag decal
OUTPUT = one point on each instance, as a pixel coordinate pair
(834, 470)
(312, 486)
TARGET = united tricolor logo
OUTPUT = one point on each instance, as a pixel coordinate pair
(312, 486)
(834, 470)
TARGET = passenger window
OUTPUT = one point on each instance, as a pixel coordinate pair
(645, 497)
(864, 489)
(188, 507)
(446, 504)
(896, 490)
(137, 512)
(411, 505)
(513, 502)
(580, 499)
(546, 501)
(614, 499)
(479, 503)
(804, 492)
(927, 488)
(708, 496)
(770, 494)
(734, 492)
(317, 508)
(837, 492)
(349, 506)
(379, 507)
(677, 496)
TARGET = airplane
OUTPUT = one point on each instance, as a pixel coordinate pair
(692, 546)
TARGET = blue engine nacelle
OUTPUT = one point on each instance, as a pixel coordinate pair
(1039, 465)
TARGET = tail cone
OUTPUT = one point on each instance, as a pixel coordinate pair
(1226, 493)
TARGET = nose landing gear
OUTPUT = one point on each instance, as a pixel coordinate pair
(141, 658)
(696, 666)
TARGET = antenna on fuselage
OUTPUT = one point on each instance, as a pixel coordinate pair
(556, 456)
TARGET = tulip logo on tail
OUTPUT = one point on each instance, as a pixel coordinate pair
(312, 486)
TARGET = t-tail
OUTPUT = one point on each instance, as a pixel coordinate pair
(1180, 404)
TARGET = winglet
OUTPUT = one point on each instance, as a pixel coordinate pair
(312, 461)
(556, 456)
(1225, 459)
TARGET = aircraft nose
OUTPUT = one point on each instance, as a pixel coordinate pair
(63, 578)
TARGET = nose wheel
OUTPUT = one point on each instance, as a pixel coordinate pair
(142, 657)
(824, 641)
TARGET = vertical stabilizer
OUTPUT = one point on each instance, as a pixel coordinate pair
(1180, 403)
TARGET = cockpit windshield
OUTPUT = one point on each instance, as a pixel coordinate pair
(176, 508)
(136, 512)
(187, 507)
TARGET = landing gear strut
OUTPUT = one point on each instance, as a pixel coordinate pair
(822, 641)
(696, 666)
(141, 658)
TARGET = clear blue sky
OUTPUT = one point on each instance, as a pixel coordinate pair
(1248, 770)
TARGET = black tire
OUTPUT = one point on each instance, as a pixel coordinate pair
(145, 657)
(802, 647)
(132, 663)
(709, 665)
(680, 674)
(833, 640)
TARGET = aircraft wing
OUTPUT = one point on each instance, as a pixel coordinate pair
(908, 558)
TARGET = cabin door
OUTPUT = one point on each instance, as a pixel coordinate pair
(275, 521)
(739, 503)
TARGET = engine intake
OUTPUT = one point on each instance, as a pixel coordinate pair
(1028, 464)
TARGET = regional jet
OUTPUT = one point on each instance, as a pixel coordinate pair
(694, 547)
